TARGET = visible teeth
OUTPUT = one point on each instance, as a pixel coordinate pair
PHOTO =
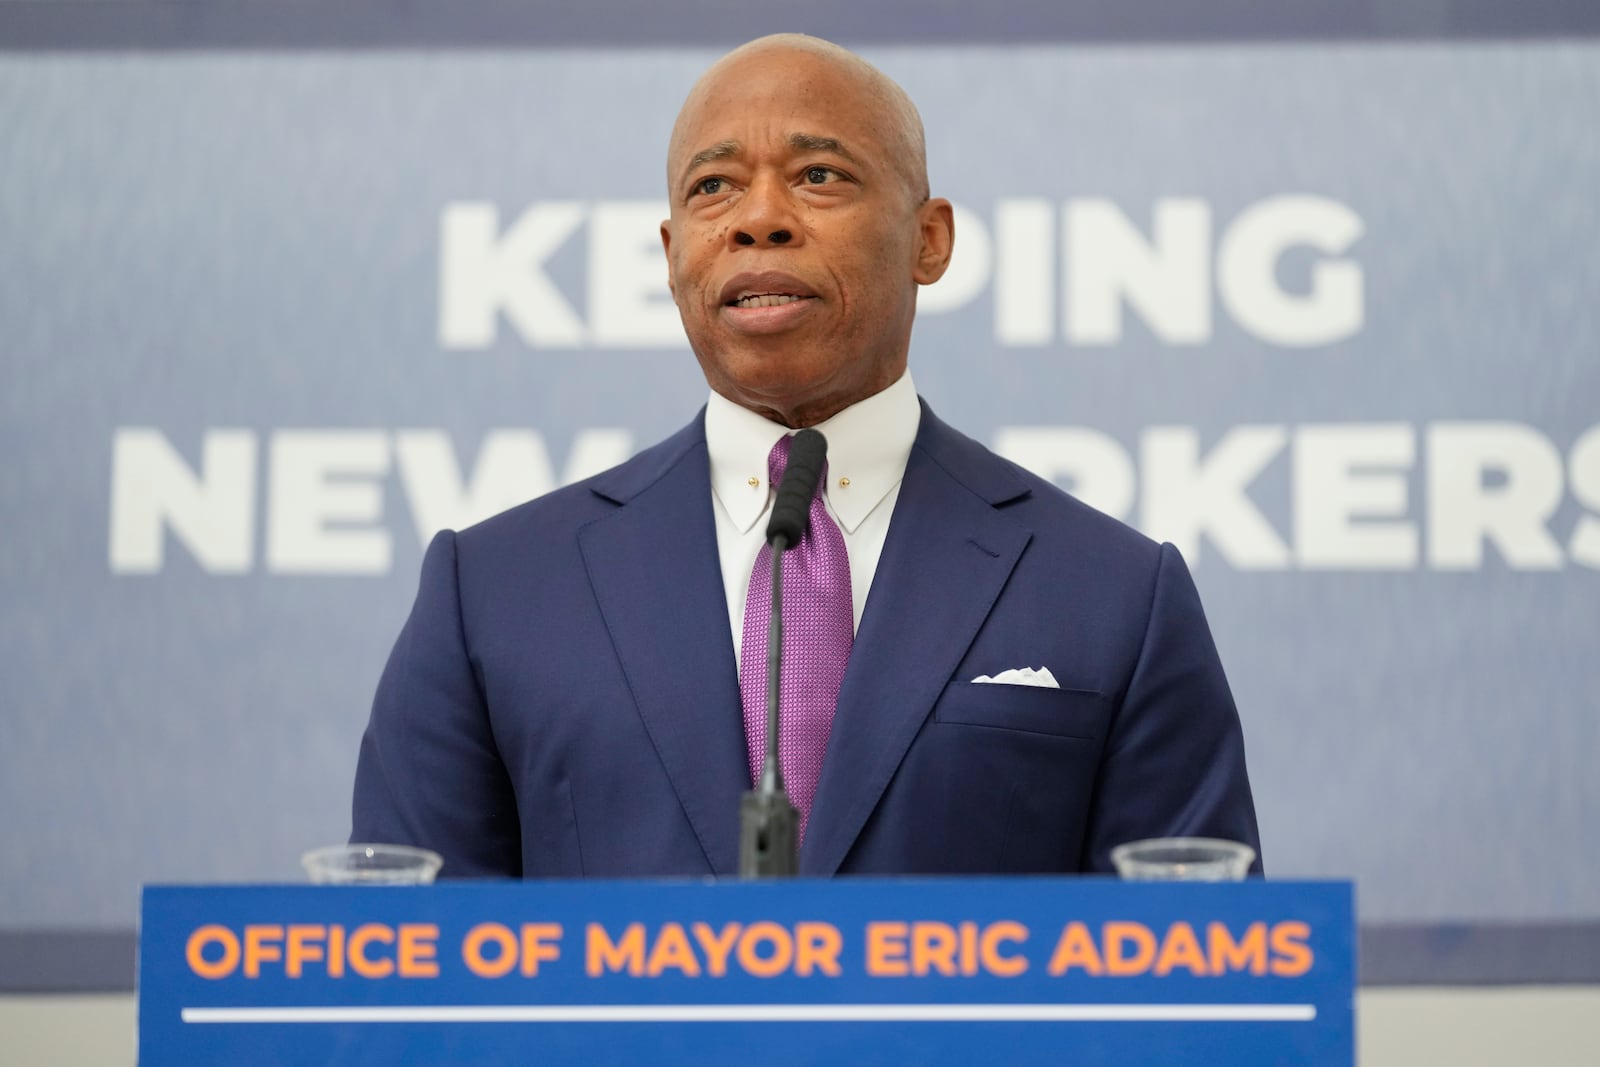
(769, 301)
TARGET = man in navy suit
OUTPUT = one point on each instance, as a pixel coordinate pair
(564, 699)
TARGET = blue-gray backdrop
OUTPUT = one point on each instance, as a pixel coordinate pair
(1314, 300)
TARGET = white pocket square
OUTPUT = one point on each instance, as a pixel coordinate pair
(1025, 676)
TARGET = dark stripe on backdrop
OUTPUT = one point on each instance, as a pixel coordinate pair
(95, 25)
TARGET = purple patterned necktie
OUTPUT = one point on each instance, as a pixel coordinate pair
(818, 628)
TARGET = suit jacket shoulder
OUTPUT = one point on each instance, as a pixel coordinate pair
(562, 510)
(1097, 540)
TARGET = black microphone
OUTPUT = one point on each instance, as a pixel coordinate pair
(808, 452)
(768, 824)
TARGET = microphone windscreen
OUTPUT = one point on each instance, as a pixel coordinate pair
(808, 452)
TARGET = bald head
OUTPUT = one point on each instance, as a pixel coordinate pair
(895, 116)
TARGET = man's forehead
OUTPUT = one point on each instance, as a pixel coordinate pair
(784, 65)
(798, 88)
(769, 84)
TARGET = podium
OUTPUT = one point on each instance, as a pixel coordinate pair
(838, 972)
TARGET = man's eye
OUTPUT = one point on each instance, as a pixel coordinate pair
(709, 186)
(820, 175)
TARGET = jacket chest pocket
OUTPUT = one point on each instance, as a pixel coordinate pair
(1074, 713)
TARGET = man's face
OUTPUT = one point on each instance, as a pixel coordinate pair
(795, 243)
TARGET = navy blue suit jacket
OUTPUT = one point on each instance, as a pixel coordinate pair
(563, 699)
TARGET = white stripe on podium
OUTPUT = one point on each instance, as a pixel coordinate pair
(730, 1013)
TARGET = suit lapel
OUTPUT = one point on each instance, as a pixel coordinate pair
(653, 565)
(948, 554)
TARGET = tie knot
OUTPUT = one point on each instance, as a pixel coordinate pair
(778, 459)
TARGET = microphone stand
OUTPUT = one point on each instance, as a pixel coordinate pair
(768, 824)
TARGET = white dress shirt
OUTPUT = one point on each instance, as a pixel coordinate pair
(868, 445)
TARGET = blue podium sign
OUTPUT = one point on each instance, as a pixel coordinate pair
(925, 971)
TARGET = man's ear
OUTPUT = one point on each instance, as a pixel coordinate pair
(666, 247)
(936, 226)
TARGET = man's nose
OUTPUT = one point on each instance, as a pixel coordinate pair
(767, 216)
(777, 237)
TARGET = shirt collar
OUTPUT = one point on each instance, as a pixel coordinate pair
(868, 445)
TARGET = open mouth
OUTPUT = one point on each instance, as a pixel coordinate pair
(758, 290)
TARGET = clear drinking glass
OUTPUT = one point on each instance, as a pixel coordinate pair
(1183, 859)
(374, 864)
